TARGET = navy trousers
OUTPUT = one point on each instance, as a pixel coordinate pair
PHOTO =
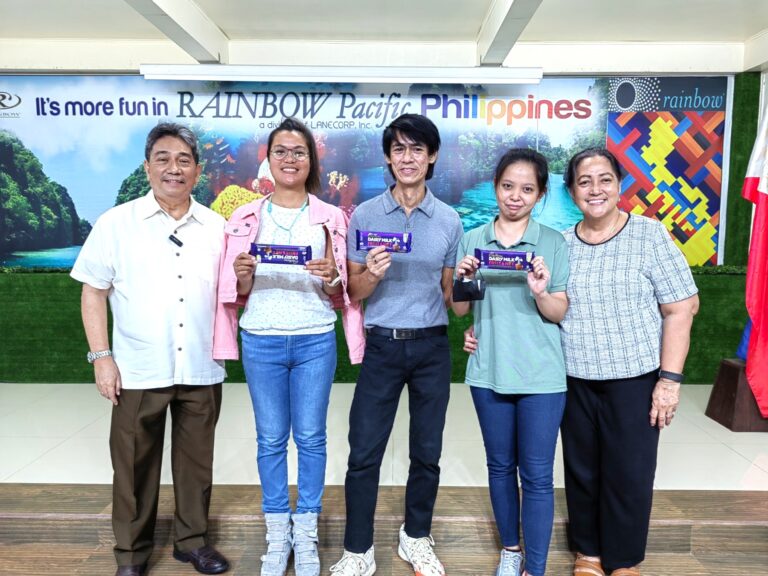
(424, 364)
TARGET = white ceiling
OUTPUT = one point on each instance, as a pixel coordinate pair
(401, 20)
(83, 19)
(562, 36)
(648, 21)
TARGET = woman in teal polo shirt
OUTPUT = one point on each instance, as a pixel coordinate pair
(516, 370)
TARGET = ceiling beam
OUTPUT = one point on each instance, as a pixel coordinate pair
(335, 53)
(503, 24)
(623, 58)
(185, 23)
(102, 56)
(756, 52)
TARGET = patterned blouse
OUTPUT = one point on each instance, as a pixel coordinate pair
(612, 329)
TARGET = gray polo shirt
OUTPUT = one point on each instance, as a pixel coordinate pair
(519, 351)
(410, 295)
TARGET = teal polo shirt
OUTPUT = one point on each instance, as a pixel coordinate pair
(519, 351)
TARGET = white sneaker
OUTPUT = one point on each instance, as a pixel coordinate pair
(352, 564)
(279, 544)
(510, 563)
(418, 551)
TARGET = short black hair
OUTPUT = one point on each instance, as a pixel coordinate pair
(416, 128)
(291, 124)
(536, 159)
(569, 178)
(179, 131)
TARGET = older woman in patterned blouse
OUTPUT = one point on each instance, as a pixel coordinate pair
(625, 337)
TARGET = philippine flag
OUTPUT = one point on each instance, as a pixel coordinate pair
(755, 190)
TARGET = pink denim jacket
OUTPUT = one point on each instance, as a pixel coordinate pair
(239, 232)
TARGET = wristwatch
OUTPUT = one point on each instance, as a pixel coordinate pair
(674, 376)
(93, 356)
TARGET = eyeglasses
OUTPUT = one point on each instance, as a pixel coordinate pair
(282, 153)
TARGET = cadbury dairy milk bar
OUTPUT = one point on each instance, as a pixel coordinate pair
(505, 259)
(392, 241)
(281, 254)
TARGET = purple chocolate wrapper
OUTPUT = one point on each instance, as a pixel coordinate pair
(281, 254)
(393, 241)
(505, 259)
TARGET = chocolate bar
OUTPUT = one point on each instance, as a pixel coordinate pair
(392, 241)
(281, 254)
(505, 259)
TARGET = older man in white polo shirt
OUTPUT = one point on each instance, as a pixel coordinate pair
(155, 259)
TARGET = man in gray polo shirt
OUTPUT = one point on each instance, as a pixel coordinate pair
(406, 323)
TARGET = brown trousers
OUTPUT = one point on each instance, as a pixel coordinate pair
(136, 444)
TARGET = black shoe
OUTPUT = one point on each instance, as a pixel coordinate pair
(135, 570)
(205, 559)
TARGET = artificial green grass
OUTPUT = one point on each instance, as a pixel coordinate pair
(43, 338)
(42, 334)
(718, 326)
(746, 106)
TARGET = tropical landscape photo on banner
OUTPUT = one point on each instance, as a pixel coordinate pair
(71, 147)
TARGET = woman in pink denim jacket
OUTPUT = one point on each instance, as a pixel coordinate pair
(288, 338)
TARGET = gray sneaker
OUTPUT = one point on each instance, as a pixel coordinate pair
(352, 564)
(511, 563)
(275, 561)
(306, 561)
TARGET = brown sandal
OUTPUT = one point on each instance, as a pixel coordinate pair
(634, 571)
(584, 566)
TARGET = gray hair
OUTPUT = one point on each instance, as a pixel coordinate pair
(177, 131)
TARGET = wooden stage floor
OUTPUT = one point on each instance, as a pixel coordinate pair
(48, 529)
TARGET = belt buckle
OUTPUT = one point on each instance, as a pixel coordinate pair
(403, 333)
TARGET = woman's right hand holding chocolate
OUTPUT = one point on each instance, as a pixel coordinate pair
(245, 267)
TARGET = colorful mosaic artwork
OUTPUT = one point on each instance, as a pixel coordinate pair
(674, 162)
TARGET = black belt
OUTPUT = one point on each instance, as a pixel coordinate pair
(408, 333)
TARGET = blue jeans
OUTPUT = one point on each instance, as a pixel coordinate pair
(520, 434)
(290, 379)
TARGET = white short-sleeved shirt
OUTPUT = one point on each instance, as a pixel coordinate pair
(612, 329)
(162, 296)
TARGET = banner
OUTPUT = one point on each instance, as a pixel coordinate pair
(73, 146)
